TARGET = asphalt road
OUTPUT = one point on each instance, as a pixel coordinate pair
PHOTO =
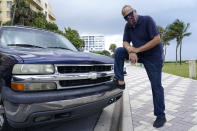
(82, 124)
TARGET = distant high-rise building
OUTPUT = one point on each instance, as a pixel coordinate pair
(36, 5)
(94, 42)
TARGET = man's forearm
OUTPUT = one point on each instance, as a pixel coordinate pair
(149, 45)
(127, 46)
(155, 41)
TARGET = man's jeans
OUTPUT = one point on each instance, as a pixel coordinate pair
(153, 70)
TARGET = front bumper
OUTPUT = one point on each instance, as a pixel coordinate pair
(23, 108)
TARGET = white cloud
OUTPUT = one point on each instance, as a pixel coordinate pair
(150, 6)
(115, 39)
(104, 17)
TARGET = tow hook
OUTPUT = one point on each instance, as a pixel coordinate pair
(111, 100)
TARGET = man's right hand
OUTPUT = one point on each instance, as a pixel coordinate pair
(133, 58)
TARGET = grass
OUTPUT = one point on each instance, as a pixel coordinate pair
(179, 70)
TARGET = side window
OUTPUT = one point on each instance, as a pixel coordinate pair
(45, 13)
(9, 3)
(46, 5)
(8, 14)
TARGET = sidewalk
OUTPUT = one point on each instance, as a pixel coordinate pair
(180, 99)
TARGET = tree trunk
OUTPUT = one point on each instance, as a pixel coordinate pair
(180, 52)
(13, 16)
(176, 52)
(165, 52)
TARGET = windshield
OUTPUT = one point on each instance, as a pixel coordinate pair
(31, 38)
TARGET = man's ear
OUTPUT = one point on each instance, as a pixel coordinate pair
(135, 11)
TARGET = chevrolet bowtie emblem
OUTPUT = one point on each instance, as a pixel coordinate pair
(92, 75)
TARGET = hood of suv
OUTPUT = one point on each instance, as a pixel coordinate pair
(57, 56)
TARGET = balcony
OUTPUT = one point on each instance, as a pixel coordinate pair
(51, 16)
(37, 3)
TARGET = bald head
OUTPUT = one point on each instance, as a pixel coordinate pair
(126, 10)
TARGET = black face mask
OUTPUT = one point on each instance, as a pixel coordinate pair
(131, 19)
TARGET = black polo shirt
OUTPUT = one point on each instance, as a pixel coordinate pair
(144, 31)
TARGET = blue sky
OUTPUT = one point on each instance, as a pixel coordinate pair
(104, 17)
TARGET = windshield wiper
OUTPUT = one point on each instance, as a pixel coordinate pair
(25, 45)
(60, 48)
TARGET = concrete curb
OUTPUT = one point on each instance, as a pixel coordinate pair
(117, 116)
(110, 117)
(126, 123)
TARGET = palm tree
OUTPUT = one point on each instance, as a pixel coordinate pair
(165, 38)
(22, 13)
(112, 47)
(14, 11)
(178, 30)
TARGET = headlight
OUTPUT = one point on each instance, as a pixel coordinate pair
(33, 86)
(33, 69)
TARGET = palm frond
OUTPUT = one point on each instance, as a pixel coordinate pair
(187, 34)
(187, 26)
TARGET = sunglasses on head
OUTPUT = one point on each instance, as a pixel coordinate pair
(127, 17)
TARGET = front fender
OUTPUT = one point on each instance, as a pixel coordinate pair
(6, 65)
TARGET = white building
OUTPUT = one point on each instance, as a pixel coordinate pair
(94, 42)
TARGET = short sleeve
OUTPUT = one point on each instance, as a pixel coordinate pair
(126, 35)
(152, 28)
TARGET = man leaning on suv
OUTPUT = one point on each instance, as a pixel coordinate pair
(147, 49)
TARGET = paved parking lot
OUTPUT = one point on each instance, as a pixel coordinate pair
(180, 99)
